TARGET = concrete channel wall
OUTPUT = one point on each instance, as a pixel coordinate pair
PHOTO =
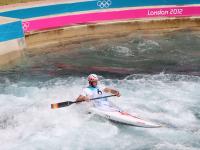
(71, 21)
(11, 39)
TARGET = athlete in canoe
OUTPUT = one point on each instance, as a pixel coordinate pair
(94, 90)
(107, 109)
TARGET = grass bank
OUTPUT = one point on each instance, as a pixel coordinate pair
(7, 2)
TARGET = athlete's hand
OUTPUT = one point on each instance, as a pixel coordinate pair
(82, 98)
(117, 94)
(86, 98)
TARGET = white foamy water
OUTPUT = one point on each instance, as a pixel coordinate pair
(28, 123)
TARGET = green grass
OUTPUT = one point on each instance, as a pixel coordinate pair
(7, 2)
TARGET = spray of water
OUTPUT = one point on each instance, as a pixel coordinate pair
(27, 122)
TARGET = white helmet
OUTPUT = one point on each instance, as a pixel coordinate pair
(92, 77)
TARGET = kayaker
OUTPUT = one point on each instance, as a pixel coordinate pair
(93, 90)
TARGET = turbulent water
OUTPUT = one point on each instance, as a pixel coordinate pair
(156, 75)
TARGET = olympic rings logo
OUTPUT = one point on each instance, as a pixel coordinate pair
(25, 25)
(104, 3)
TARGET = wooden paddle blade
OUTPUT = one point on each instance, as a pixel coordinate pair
(62, 104)
(54, 106)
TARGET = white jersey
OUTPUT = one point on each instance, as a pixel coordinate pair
(93, 92)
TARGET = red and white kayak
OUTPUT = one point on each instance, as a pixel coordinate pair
(117, 115)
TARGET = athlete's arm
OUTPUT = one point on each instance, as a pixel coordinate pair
(82, 98)
(115, 92)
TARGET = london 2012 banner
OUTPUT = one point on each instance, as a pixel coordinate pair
(93, 11)
(110, 15)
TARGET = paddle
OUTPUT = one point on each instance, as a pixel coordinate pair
(68, 103)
